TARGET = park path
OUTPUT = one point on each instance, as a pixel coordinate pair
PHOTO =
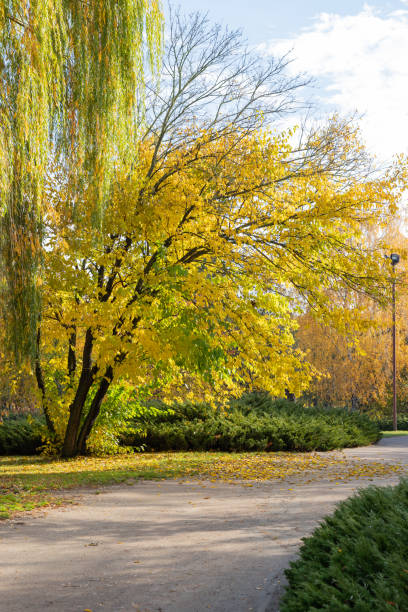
(170, 546)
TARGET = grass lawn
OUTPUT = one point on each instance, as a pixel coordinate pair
(391, 434)
(31, 482)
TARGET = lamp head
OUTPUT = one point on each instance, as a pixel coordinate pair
(394, 258)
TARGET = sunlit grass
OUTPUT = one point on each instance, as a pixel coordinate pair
(391, 434)
(31, 482)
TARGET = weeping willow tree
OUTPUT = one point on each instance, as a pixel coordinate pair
(70, 87)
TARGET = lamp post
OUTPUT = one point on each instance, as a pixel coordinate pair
(394, 260)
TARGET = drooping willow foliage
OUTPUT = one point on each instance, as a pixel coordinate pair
(70, 86)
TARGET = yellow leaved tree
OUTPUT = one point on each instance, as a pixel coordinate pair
(219, 233)
(200, 270)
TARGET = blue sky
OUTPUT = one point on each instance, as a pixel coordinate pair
(264, 19)
(357, 52)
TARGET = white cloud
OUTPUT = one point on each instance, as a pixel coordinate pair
(361, 65)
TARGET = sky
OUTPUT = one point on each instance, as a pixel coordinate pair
(356, 52)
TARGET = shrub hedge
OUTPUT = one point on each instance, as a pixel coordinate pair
(256, 422)
(20, 435)
(357, 559)
(387, 424)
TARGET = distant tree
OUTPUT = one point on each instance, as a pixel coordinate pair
(355, 362)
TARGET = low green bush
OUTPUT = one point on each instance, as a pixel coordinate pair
(20, 435)
(357, 559)
(256, 422)
(388, 425)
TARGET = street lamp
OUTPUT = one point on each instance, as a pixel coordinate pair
(394, 260)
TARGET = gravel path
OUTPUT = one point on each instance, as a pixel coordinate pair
(170, 546)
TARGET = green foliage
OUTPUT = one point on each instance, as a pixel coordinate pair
(70, 84)
(20, 435)
(122, 409)
(253, 423)
(357, 558)
(387, 424)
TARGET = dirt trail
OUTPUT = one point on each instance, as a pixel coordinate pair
(170, 546)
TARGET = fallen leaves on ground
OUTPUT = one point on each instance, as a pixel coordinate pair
(284, 466)
(29, 482)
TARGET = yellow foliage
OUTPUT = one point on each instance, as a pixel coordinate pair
(355, 361)
(202, 264)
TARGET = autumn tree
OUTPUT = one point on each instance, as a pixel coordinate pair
(71, 77)
(220, 230)
(354, 362)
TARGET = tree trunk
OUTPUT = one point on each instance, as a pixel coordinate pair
(72, 354)
(70, 447)
(94, 410)
(355, 404)
(41, 384)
